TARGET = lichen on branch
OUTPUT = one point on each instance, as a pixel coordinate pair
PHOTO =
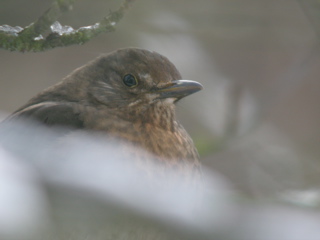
(31, 37)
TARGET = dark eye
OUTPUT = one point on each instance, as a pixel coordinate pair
(130, 81)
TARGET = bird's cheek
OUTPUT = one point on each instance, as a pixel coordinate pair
(169, 101)
(150, 97)
(134, 103)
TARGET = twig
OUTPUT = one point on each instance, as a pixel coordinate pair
(30, 38)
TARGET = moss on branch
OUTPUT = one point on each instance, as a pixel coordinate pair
(31, 37)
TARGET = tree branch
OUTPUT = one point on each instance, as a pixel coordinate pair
(30, 38)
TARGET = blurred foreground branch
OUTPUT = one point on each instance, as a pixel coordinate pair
(84, 187)
(31, 37)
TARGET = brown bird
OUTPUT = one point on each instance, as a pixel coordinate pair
(129, 95)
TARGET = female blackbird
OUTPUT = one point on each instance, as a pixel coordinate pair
(129, 95)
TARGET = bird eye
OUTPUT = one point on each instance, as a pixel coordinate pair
(130, 81)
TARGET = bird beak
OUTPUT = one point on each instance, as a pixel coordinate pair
(179, 89)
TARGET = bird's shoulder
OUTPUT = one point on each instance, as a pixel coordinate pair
(50, 114)
(76, 115)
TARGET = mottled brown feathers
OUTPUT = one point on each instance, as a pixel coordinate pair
(94, 97)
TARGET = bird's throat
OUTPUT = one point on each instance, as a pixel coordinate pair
(160, 115)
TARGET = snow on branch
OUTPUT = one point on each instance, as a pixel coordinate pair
(31, 37)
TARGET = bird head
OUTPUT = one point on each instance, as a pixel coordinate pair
(135, 78)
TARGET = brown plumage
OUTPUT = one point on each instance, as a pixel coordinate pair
(129, 95)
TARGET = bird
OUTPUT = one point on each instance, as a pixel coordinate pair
(127, 95)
